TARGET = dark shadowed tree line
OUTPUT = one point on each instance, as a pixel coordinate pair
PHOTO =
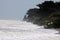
(45, 14)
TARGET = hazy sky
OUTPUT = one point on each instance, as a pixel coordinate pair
(16, 9)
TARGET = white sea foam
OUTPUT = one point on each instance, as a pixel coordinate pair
(22, 30)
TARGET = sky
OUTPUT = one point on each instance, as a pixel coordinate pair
(16, 9)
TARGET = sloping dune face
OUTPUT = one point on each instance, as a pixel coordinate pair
(22, 30)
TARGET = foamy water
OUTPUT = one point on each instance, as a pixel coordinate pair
(22, 30)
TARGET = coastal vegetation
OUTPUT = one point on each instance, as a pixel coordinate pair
(48, 14)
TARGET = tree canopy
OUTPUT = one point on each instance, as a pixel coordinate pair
(42, 14)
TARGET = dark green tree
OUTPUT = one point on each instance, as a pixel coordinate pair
(42, 15)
